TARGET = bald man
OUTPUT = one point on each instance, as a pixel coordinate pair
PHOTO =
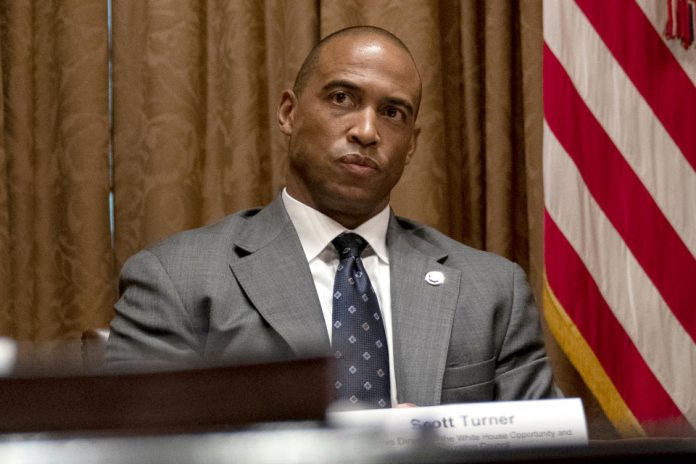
(458, 324)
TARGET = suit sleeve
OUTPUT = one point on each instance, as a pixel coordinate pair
(523, 370)
(152, 328)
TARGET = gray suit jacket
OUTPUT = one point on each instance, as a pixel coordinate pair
(241, 289)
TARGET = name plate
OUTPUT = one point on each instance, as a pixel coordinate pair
(505, 424)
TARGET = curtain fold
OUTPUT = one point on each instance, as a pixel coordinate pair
(57, 276)
(194, 125)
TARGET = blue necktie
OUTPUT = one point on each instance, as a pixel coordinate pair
(358, 339)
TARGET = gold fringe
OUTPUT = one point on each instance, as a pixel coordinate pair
(583, 358)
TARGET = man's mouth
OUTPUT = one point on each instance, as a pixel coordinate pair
(359, 164)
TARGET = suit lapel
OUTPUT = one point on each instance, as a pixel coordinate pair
(276, 278)
(422, 315)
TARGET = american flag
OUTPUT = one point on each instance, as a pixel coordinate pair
(620, 205)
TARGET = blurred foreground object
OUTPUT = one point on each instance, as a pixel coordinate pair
(93, 347)
(188, 400)
(8, 355)
(317, 445)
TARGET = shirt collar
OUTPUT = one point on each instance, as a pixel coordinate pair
(316, 230)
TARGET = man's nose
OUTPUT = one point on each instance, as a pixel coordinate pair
(364, 128)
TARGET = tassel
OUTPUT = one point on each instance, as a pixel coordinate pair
(669, 27)
(690, 24)
(681, 21)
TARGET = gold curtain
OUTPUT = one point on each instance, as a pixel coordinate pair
(56, 273)
(195, 135)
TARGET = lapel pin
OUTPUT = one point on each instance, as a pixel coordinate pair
(435, 278)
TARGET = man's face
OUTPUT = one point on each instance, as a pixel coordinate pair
(352, 129)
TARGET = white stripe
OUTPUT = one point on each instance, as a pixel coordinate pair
(625, 116)
(658, 336)
(656, 12)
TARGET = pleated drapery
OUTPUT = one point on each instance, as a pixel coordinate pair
(57, 273)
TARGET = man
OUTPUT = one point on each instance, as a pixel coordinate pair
(459, 324)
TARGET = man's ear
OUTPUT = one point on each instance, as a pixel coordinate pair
(414, 144)
(286, 111)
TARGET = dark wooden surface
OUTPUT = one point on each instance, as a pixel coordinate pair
(179, 400)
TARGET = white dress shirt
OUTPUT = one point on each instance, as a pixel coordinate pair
(316, 231)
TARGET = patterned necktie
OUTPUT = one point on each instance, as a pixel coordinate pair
(358, 339)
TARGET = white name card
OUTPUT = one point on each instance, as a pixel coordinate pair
(509, 424)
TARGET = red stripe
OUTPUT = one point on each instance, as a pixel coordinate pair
(580, 297)
(618, 191)
(654, 70)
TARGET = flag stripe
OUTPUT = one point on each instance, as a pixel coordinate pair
(620, 193)
(623, 284)
(623, 113)
(650, 65)
(579, 352)
(576, 291)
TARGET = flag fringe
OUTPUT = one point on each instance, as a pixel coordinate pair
(588, 366)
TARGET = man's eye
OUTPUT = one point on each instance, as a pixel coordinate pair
(340, 97)
(393, 113)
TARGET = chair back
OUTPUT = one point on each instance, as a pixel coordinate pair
(93, 347)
